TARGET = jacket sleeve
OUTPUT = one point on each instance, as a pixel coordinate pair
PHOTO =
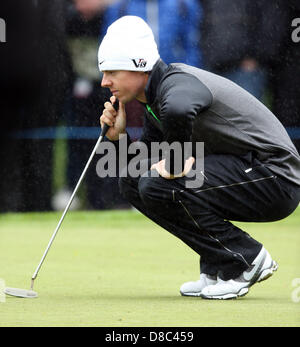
(182, 98)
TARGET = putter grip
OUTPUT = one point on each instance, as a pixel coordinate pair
(105, 126)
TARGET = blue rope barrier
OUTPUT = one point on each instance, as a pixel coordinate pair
(77, 133)
(63, 132)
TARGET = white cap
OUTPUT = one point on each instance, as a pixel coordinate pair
(128, 45)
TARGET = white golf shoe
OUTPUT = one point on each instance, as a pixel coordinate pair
(195, 288)
(262, 268)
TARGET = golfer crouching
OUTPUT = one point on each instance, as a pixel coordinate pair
(251, 168)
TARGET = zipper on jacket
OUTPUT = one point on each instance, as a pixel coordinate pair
(151, 112)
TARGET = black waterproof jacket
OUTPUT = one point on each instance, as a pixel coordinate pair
(185, 104)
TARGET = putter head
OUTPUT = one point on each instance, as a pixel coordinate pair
(20, 293)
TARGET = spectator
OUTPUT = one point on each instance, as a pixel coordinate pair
(236, 41)
(257, 52)
(34, 76)
(284, 76)
(85, 103)
(175, 25)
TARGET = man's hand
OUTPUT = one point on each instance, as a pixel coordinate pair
(160, 167)
(116, 120)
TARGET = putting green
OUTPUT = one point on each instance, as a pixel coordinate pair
(117, 268)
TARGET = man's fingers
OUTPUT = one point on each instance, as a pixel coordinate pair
(112, 99)
(115, 119)
(107, 117)
(188, 165)
(106, 120)
(109, 113)
(108, 106)
(153, 167)
(160, 168)
(122, 107)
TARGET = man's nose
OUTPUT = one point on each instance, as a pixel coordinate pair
(106, 82)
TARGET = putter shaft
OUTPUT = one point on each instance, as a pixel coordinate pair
(103, 132)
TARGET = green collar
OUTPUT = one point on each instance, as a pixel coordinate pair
(151, 112)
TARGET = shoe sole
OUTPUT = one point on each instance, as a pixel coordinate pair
(228, 296)
(267, 273)
(264, 275)
(191, 294)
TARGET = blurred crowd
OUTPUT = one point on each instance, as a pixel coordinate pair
(50, 80)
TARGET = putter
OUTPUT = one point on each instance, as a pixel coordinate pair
(23, 293)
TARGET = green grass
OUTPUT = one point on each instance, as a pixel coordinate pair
(117, 268)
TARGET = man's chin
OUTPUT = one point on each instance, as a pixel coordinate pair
(124, 100)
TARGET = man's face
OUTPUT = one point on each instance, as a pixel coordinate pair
(126, 85)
